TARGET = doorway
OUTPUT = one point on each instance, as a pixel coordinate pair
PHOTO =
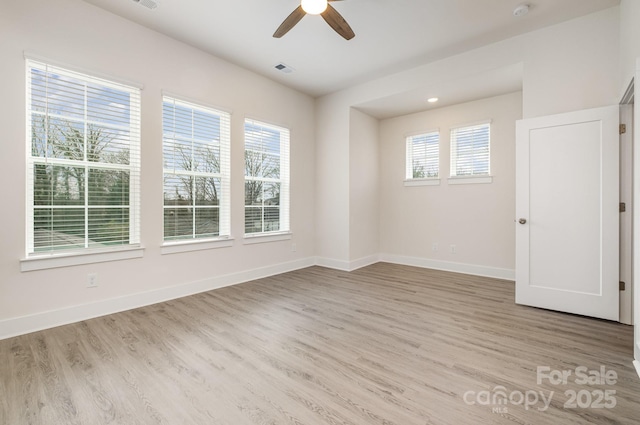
(626, 206)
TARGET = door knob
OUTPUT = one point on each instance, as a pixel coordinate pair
(522, 221)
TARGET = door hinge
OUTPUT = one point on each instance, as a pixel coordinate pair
(622, 286)
(623, 207)
(623, 128)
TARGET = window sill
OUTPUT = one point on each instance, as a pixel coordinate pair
(266, 237)
(470, 180)
(195, 245)
(422, 182)
(66, 259)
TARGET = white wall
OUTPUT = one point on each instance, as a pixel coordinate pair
(363, 187)
(332, 177)
(629, 41)
(83, 36)
(477, 218)
(347, 188)
(569, 66)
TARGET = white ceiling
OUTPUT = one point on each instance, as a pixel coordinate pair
(507, 79)
(391, 35)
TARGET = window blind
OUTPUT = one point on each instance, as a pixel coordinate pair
(83, 161)
(196, 157)
(470, 150)
(266, 159)
(423, 155)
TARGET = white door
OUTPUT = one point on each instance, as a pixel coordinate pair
(567, 212)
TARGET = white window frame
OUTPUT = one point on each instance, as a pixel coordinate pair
(473, 177)
(284, 231)
(36, 260)
(223, 239)
(410, 180)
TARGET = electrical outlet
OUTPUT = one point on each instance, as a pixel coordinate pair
(92, 280)
(293, 247)
(453, 249)
(434, 247)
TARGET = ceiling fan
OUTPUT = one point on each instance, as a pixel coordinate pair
(316, 7)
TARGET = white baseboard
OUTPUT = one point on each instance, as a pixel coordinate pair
(333, 264)
(636, 364)
(364, 262)
(49, 319)
(347, 266)
(472, 269)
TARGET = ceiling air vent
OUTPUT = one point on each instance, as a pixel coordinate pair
(149, 4)
(284, 68)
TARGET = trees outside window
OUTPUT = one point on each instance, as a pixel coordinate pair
(423, 155)
(196, 143)
(266, 158)
(83, 161)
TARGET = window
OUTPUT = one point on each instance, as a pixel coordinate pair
(266, 181)
(423, 156)
(196, 155)
(83, 161)
(470, 150)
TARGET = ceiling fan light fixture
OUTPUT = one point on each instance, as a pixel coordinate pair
(314, 7)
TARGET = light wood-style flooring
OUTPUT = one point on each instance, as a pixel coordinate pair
(386, 344)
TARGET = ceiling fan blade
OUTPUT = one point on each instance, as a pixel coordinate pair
(290, 22)
(337, 22)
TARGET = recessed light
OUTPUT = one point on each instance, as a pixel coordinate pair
(521, 10)
(432, 100)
